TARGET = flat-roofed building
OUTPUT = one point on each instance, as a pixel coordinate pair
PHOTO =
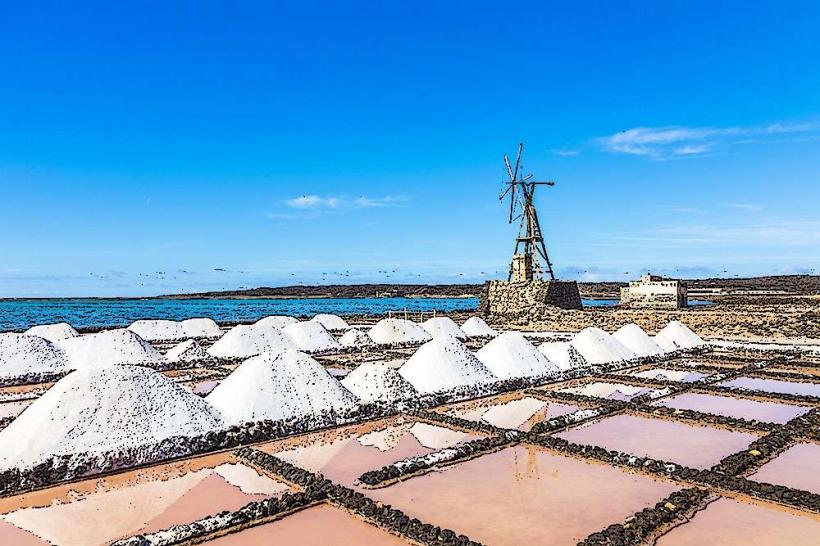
(655, 291)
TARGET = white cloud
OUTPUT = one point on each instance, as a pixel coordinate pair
(565, 152)
(378, 201)
(312, 202)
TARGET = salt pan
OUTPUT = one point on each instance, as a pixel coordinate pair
(443, 326)
(109, 347)
(638, 341)
(598, 347)
(563, 355)
(331, 322)
(243, 341)
(376, 381)
(476, 327)
(311, 337)
(391, 331)
(53, 332)
(510, 355)
(443, 364)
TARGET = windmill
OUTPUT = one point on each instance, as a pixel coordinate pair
(532, 262)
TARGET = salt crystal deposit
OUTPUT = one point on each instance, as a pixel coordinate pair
(436, 437)
(105, 409)
(376, 381)
(22, 354)
(52, 332)
(510, 355)
(514, 413)
(598, 347)
(391, 331)
(443, 326)
(278, 386)
(675, 336)
(331, 322)
(476, 327)
(613, 391)
(109, 347)
(187, 351)
(311, 337)
(563, 355)
(443, 364)
(356, 338)
(201, 328)
(638, 341)
(276, 321)
(171, 330)
(243, 341)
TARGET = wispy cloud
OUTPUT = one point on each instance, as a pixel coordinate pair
(787, 233)
(565, 152)
(313, 206)
(745, 207)
(313, 202)
(678, 141)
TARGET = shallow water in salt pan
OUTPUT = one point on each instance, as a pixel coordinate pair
(314, 526)
(669, 375)
(774, 385)
(511, 412)
(695, 446)
(524, 495)
(729, 406)
(728, 522)
(612, 391)
(798, 467)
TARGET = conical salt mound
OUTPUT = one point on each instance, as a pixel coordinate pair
(331, 322)
(187, 351)
(598, 347)
(109, 347)
(638, 341)
(675, 336)
(510, 356)
(243, 341)
(201, 328)
(52, 332)
(277, 321)
(22, 354)
(376, 381)
(476, 327)
(105, 409)
(311, 337)
(443, 326)
(443, 364)
(158, 330)
(563, 355)
(356, 338)
(392, 331)
(279, 386)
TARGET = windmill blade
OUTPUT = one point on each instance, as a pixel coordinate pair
(505, 192)
(518, 160)
(509, 168)
(512, 202)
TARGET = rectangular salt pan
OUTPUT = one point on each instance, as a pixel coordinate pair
(797, 467)
(742, 408)
(774, 385)
(503, 412)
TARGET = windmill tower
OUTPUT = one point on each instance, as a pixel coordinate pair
(530, 260)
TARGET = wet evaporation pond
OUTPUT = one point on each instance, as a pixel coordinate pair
(665, 374)
(777, 386)
(670, 441)
(728, 406)
(612, 391)
(797, 467)
(510, 411)
(133, 502)
(524, 495)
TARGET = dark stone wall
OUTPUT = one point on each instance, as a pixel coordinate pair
(527, 301)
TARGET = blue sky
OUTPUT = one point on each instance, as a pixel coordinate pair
(168, 146)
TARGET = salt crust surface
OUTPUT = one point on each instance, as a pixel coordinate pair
(376, 381)
(510, 356)
(390, 331)
(602, 389)
(22, 354)
(53, 332)
(356, 338)
(244, 341)
(109, 347)
(598, 347)
(635, 339)
(331, 321)
(311, 336)
(276, 321)
(563, 355)
(442, 364)
(172, 330)
(187, 351)
(443, 326)
(283, 385)
(104, 409)
(676, 335)
(477, 327)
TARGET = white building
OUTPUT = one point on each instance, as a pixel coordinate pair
(655, 291)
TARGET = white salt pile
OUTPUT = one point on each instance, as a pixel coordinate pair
(563, 355)
(105, 409)
(22, 354)
(356, 338)
(476, 327)
(171, 330)
(443, 364)
(638, 341)
(376, 381)
(311, 337)
(244, 340)
(277, 386)
(187, 351)
(510, 355)
(443, 326)
(276, 321)
(392, 331)
(52, 332)
(598, 347)
(331, 322)
(201, 328)
(109, 347)
(675, 336)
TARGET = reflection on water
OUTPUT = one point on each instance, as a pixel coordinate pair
(798, 467)
(728, 522)
(774, 385)
(612, 391)
(510, 411)
(695, 446)
(98, 511)
(771, 412)
(524, 495)
(665, 374)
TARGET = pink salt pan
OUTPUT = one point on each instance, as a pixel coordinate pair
(774, 385)
(771, 412)
(797, 467)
